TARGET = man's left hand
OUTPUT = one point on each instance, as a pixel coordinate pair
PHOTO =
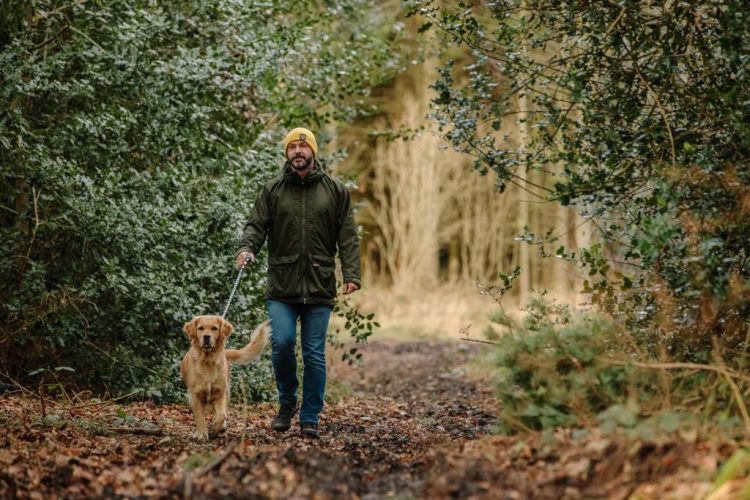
(350, 288)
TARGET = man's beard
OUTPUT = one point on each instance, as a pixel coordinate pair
(301, 166)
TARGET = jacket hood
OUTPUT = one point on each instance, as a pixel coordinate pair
(291, 176)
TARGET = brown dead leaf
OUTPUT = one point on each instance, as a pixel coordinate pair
(578, 469)
(62, 460)
(273, 468)
(125, 476)
(81, 473)
(599, 446)
(397, 434)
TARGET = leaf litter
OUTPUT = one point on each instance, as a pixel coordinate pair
(414, 425)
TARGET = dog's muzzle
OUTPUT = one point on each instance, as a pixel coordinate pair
(206, 343)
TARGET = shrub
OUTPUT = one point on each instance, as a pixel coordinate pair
(133, 138)
(554, 371)
(557, 375)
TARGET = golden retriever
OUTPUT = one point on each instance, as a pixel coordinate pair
(205, 367)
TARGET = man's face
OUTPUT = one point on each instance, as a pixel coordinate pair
(300, 154)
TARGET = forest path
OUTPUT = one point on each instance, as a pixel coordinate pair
(412, 424)
(407, 400)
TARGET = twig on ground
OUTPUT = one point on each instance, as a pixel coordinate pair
(187, 479)
(740, 404)
(137, 430)
(718, 359)
(21, 388)
(728, 374)
(100, 403)
(59, 406)
(680, 366)
(480, 341)
(216, 461)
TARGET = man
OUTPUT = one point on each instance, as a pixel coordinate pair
(306, 215)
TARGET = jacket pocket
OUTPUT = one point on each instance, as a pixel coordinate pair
(283, 276)
(322, 280)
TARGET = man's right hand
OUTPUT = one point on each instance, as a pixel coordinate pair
(243, 258)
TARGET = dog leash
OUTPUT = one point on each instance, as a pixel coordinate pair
(236, 284)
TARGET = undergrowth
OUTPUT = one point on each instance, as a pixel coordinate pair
(556, 370)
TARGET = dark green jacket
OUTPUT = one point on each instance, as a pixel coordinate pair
(305, 222)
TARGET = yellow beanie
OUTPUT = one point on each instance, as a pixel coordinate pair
(304, 135)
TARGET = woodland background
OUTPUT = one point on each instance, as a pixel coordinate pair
(570, 178)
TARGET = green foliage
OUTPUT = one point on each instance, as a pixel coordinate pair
(557, 371)
(196, 460)
(738, 466)
(640, 113)
(359, 326)
(133, 138)
(552, 377)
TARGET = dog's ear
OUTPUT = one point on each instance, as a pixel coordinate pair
(225, 329)
(190, 330)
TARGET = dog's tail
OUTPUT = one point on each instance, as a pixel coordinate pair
(252, 350)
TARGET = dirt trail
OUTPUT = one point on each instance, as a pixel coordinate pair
(415, 426)
(409, 399)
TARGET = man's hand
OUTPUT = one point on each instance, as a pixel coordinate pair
(350, 288)
(243, 258)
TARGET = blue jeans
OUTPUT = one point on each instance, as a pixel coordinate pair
(314, 321)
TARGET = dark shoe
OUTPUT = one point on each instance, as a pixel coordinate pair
(309, 430)
(283, 421)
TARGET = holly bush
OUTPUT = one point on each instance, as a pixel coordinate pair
(133, 138)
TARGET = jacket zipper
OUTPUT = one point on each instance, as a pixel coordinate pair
(304, 243)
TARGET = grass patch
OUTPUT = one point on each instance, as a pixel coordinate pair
(337, 390)
(197, 460)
